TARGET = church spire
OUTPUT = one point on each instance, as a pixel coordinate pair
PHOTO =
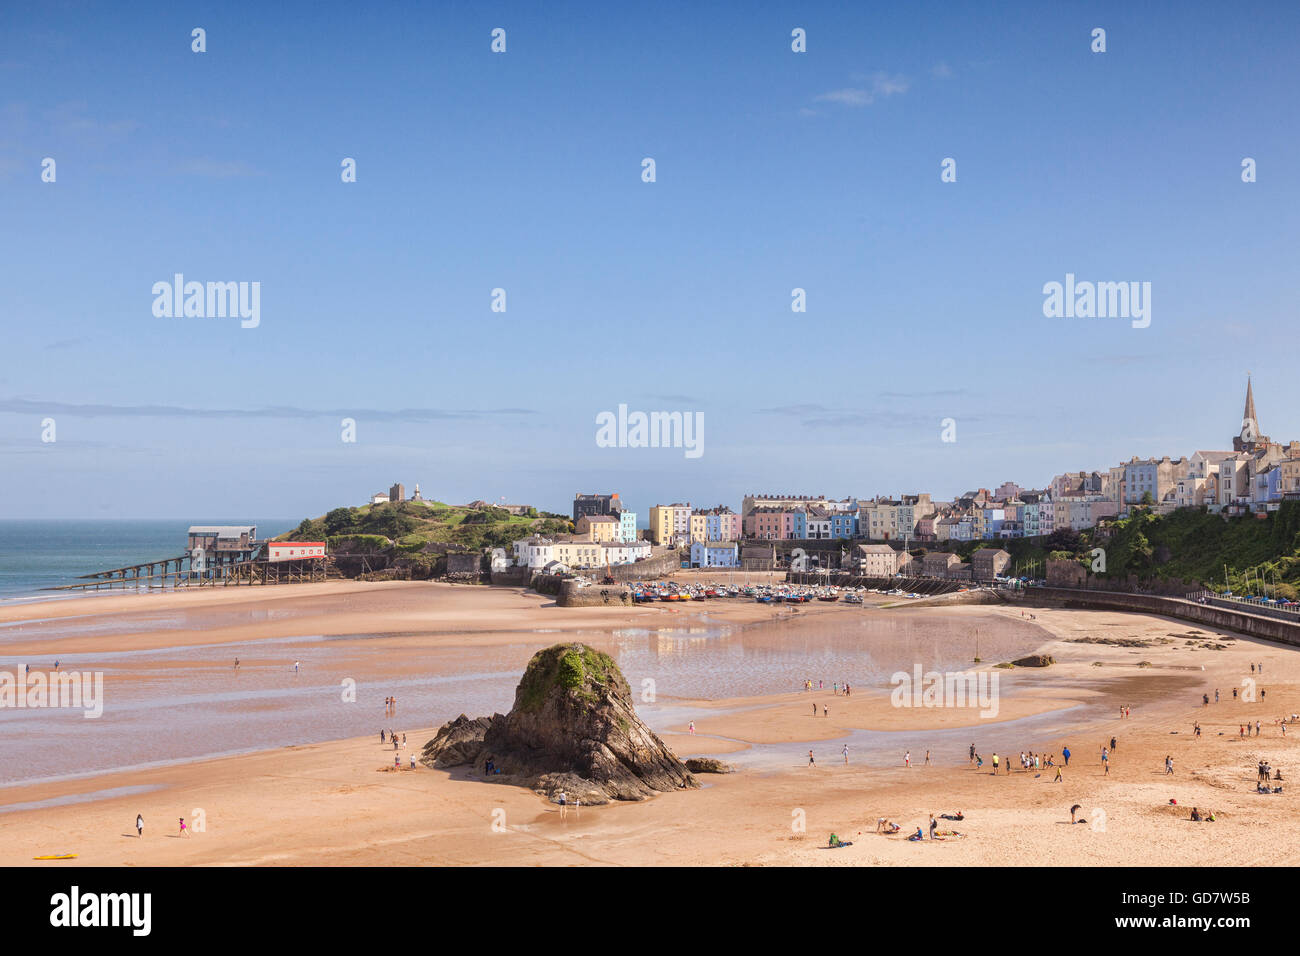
(1250, 438)
(1249, 414)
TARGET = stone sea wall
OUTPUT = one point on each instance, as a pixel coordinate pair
(1283, 632)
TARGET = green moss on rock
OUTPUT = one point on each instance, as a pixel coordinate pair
(577, 668)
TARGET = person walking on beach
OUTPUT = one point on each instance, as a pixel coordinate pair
(1112, 744)
(397, 761)
(1257, 728)
(972, 746)
(139, 826)
(563, 801)
(811, 761)
(1169, 764)
(1065, 752)
(1216, 695)
(995, 763)
(295, 666)
(692, 728)
(814, 708)
(1105, 760)
(979, 761)
(907, 759)
(1058, 775)
(236, 663)
(825, 711)
(184, 832)
(927, 758)
(846, 753)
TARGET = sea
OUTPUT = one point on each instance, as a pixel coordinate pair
(36, 554)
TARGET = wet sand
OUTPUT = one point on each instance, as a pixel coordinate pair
(731, 667)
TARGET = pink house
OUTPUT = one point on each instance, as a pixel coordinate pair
(770, 523)
(729, 526)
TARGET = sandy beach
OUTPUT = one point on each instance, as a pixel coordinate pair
(733, 667)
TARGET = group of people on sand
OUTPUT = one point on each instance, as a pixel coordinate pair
(837, 687)
(398, 741)
(1264, 774)
(1029, 762)
(889, 827)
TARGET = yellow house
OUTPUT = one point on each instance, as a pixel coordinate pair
(579, 554)
(661, 524)
(699, 527)
(599, 528)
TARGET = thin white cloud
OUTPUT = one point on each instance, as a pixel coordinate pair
(877, 86)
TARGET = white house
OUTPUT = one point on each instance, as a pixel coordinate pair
(625, 552)
(535, 552)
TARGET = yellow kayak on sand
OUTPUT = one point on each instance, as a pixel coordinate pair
(62, 856)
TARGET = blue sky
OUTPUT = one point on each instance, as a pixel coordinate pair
(522, 171)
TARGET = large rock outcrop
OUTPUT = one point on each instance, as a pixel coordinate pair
(572, 728)
(457, 742)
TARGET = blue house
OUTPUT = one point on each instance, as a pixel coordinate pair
(714, 554)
